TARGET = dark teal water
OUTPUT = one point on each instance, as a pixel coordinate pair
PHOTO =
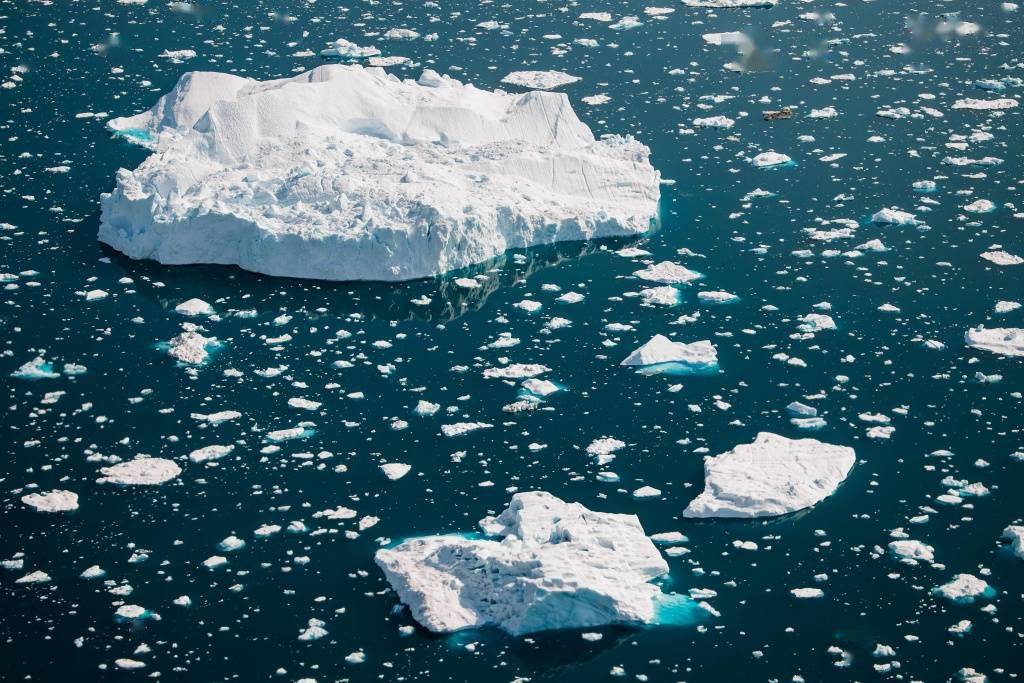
(245, 617)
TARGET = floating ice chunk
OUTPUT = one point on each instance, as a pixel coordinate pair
(646, 492)
(177, 56)
(660, 296)
(346, 49)
(141, 472)
(516, 371)
(717, 297)
(33, 577)
(93, 572)
(1002, 258)
(37, 368)
(540, 387)
(912, 552)
(729, 38)
(395, 470)
(816, 322)
(769, 159)
(603, 449)
(771, 476)
(986, 105)
(52, 501)
(558, 566)
(1006, 341)
(964, 589)
(1015, 535)
(303, 404)
(215, 561)
(401, 34)
(824, 113)
(231, 544)
(426, 408)
(668, 273)
(460, 428)
(802, 410)
(218, 417)
(730, 4)
(128, 664)
(661, 349)
(893, 217)
(190, 346)
(980, 206)
(1007, 306)
(625, 23)
(194, 307)
(314, 630)
(295, 167)
(183, 601)
(208, 453)
(297, 432)
(721, 122)
(807, 593)
(132, 613)
(540, 80)
(671, 538)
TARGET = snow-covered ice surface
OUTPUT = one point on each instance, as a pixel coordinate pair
(772, 476)
(299, 425)
(551, 565)
(335, 174)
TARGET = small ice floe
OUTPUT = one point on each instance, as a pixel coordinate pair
(140, 472)
(986, 105)
(37, 368)
(730, 4)
(807, 593)
(670, 538)
(554, 565)
(425, 408)
(815, 322)
(964, 589)
(646, 492)
(625, 23)
(395, 470)
(824, 113)
(728, 38)
(177, 56)
(912, 552)
(595, 100)
(303, 404)
(771, 476)
(298, 432)
(980, 206)
(1002, 258)
(720, 122)
(717, 297)
(194, 307)
(401, 34)
(460, 428)
(215, 561)
(1002, 307)
(539, 80)
(540, 387)
(314, 631)
(771, 160)
(346, 49)
(134, 613)
(191, 347)
(33, 577)
(1006, 341)
(603, 449)
(1015, 535)
(893, 216)
(218, 417)
(209, 453)
(666, 295)
(516, 371)
(52, 501)
(231, 544)
(925, 186)
(668, 273)
(661, 350)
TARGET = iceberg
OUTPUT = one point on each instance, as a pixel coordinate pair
(348, 173)
(771, 476)
(661, 349)
(556, 565)
(52, 501)
(1006, 341)
(540, 80)
(141, 471)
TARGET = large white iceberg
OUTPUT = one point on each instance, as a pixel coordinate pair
(660, 349)
(556, 565)
(1006, 341)
(771, 476)
(348, 173)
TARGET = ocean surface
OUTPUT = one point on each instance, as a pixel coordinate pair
(956, 412)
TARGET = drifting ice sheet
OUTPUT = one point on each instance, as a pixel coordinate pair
(558, 565)
(348, 173)
(772, 476)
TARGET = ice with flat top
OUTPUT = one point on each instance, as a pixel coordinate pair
(349, 173)
(772, 476)
(551, 565)
(1006, 341)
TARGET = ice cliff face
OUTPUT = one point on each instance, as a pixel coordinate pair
(556, 565)
(348, 173)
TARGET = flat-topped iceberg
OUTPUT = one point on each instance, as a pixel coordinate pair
(555, 565)
(348, 173)
(1006, 341)
(660, 349)
(771, 476)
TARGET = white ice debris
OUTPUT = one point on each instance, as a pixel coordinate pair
(893, 217)
(141, 472)
(661, 349)
(395, 470)
(346, 49)
(1006, 341)
(912, 552)
(769, 159)
(963, 588)
(460, 428)
(985, 105)
(1015, 535)
(540, 80)
(667, 273)
(208, 453)
(190, 346)
(1002, 258)
(332, 174)
(807, 593)
(52, 501)
(557, 565)
(729, 4)
(194, 307)
(771, 476)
